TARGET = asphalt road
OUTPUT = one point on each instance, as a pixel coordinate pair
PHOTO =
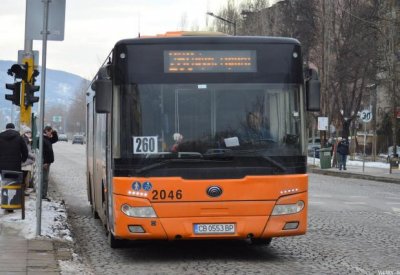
(353, 229)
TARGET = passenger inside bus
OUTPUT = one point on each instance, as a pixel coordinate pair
(255, 129)
(178, 140)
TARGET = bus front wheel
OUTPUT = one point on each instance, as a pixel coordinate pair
(112, 241)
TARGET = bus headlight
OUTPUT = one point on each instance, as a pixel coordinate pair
(139, 212)
(285, 209)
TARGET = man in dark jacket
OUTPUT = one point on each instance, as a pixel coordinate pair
(343, 151)
(13, 149)
(49, 137)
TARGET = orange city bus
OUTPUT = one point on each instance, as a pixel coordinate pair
(173, 151)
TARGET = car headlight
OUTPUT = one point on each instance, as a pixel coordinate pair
(285, 209)
(139, 212)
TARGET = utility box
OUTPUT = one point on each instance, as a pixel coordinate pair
(11, 190)
(325, 158)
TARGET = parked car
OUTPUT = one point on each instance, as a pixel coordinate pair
(313, 147)
(78, 139)
(390, 152)
(62, 137)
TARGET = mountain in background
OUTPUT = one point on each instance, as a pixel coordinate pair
(61, 89)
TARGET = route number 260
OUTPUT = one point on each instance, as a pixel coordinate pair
(145, 145)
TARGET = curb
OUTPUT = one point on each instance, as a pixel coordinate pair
(353, 175)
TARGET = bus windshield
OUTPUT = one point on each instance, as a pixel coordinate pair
(208, 125)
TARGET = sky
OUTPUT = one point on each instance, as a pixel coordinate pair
(92, 27)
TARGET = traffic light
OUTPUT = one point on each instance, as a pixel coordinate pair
(16, 95)
(29, 96)
(18, 71)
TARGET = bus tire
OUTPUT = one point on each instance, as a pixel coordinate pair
(112, 241)
(95, 215)
(261, 242)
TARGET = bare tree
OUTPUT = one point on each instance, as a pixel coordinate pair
(229, 12)
(353, 57)
(76, 117)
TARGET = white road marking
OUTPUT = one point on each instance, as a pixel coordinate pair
(316, 202)
(355, 202)
(392, 203)
(360, 197)
(396, 209)
(321, 196)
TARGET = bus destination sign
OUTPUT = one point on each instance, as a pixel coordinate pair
(222, 61)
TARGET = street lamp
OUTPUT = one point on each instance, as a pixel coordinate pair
(225, 20)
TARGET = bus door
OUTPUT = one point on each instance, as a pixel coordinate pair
(100, 164)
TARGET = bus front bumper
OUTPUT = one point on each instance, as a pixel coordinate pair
(185, 226)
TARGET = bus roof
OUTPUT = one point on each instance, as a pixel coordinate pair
(186, 33)
(171, 38)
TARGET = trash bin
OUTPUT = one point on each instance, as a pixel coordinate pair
(11, 189)
(325, 157)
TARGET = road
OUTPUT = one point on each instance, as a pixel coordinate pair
(353, 228)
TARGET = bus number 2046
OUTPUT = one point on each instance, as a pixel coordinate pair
(167, 195)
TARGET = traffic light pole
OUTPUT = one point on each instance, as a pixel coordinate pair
(26, 111)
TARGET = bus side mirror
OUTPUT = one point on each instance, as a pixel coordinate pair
(313, 92)
(103, 98)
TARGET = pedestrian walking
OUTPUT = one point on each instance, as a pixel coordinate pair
(49, 137)
(342, 151)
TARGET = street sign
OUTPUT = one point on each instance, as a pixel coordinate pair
(366, 116)
(22, 56)
(57, 118)
(322, 123)
(34, 20)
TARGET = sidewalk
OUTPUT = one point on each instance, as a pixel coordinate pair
(356, 171)
(22, 256)
(21, 252)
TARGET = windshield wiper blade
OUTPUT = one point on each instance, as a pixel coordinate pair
(165, 162)
(248, 153)
(275, 163)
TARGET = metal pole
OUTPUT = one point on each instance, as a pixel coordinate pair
(365, 141)
(41, 117)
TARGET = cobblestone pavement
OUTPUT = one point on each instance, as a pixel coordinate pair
(353, 229)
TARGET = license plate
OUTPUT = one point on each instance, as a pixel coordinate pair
(214, 228)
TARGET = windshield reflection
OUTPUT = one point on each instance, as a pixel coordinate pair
(216, 122)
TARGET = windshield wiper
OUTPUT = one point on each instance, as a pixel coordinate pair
(252, 153)
(275, 163)
(165, 162)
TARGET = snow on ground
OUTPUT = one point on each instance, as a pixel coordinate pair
(358, 162)
(54, 226)
(53, 223)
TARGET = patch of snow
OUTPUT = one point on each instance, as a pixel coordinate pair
(74, 266)
(53, 223)
(373, 164)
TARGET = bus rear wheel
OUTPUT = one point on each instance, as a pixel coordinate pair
(95, 215)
